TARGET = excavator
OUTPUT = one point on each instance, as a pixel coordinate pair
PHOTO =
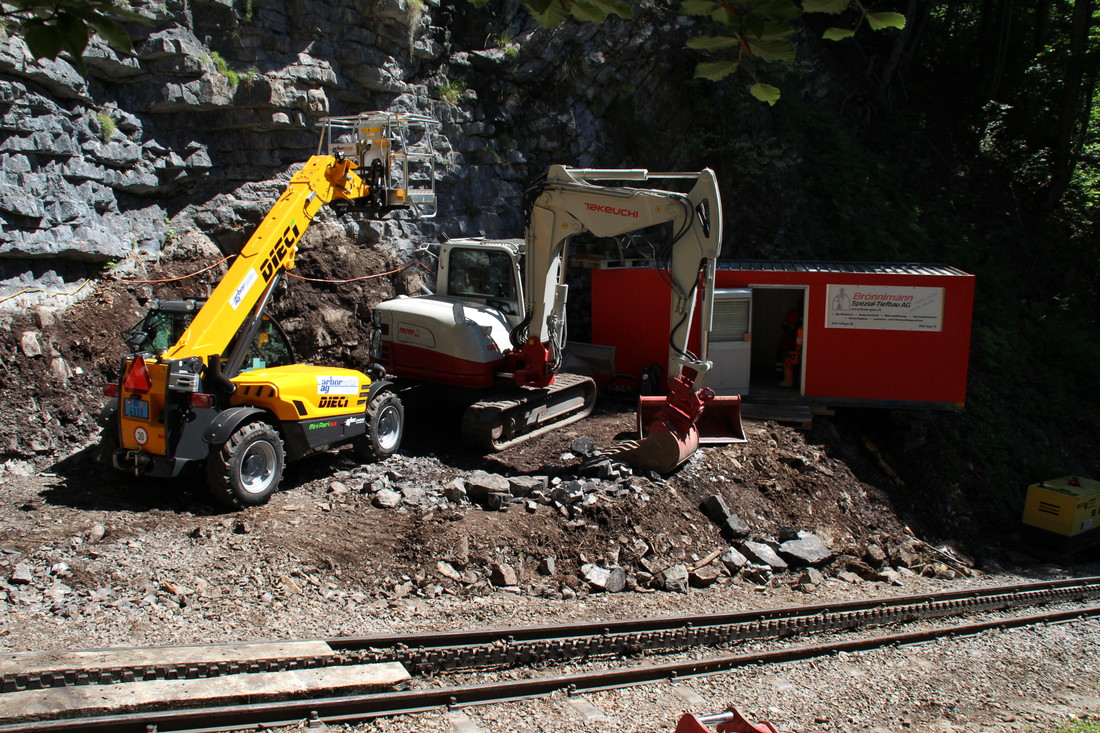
(496, 326)
(214, 382)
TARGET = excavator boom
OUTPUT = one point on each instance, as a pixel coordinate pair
(569, 202)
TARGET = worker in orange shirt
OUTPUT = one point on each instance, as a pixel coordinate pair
(791, 345)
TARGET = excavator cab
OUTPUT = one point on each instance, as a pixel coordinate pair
(484, 271)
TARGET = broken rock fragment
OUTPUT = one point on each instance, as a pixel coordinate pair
(502, 575)
(810, 580)
(22, 575)
(875, 556)
(455, 491)
(733, 560)
(480, 484)
(583, 445)
(705, 576)
(610, 580)
(716, 509)
(674, 578)
(387, 499)
(568, 492)
(448, 571)
(889, 575)
(763, 554)
(497, 500)
(30, 344)
(734, 528)
(525, 485)
(808, 549)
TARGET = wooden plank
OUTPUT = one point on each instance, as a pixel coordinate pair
(128, 697)
(798, 414)
(40, 662)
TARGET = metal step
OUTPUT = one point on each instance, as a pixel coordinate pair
(799, 415)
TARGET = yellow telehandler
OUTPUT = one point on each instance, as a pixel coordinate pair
(215, 382)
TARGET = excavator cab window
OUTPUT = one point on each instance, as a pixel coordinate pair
(483, 274)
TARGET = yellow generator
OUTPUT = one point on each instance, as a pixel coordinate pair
(1061, 514)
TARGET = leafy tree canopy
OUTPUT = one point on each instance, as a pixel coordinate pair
(745, 32)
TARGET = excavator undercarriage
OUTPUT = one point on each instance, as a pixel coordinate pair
(509, 417)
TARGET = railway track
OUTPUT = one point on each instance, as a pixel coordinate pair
(434, 656)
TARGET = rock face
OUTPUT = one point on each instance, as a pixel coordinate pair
(194, 133)
(119, 186)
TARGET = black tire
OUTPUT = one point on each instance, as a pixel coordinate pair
(246, 469)
(385, 428)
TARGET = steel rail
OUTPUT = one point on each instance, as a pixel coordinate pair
(353, 708)
(447, 651)
(471, 637)
(439, 652)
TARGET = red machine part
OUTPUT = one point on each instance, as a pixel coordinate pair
(530, 364)
(729, 721)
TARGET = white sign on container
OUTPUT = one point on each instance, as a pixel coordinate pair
(884, 308)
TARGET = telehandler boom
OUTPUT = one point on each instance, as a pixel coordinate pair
(226, 393)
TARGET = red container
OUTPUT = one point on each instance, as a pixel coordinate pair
(882, 334)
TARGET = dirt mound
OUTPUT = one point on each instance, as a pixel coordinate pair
(779, 483)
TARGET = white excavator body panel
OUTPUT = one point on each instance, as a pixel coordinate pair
(442, 340)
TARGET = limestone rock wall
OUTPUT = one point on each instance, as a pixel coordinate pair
(196, 132)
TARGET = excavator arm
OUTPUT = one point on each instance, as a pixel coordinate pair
(568, 203)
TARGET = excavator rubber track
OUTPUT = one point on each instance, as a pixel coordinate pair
(522, 413)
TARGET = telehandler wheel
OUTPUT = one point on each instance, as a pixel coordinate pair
(385, 426)
(246, 469)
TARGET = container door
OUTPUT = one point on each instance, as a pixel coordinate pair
(778, 317)
(730, 347)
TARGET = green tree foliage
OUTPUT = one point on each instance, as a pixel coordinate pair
(763, 30)
(969, 137)
(52, 27)
(744, 34)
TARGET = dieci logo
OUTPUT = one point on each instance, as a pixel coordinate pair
(328, 401)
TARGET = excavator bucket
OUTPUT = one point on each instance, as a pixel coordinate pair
(662, 450)
(673, 427)
(730, 721)
(720, 423)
